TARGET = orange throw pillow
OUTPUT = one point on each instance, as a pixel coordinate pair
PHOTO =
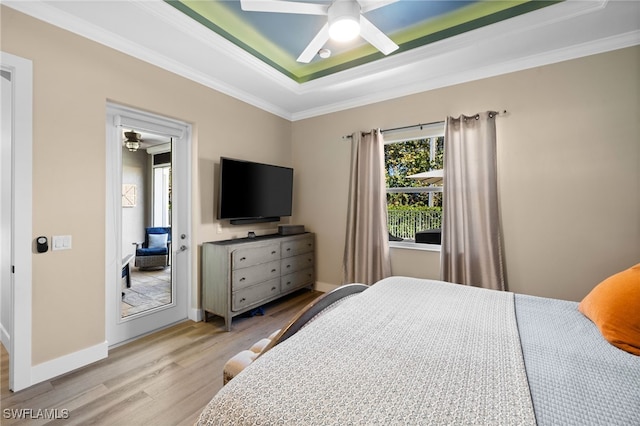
(614, 307)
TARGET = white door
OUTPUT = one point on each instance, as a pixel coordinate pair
(123, 326)
(16, 214)
(6, 208)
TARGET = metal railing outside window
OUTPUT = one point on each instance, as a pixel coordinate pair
(405, 223)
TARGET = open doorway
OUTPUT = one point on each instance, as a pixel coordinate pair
(148, 274)
(146, 222)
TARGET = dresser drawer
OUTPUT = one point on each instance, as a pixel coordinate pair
(250, 295)
(297, 279)
(250, 256)
(296, 263)
(245, 277)
(296, 247)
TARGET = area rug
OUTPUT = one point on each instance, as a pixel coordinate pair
(149, 290)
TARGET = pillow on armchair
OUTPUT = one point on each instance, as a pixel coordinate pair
(158, 240)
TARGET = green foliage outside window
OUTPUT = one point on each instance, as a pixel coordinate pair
(407, 158)
(410, 212)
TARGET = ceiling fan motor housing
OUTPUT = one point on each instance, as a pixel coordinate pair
(344, 19)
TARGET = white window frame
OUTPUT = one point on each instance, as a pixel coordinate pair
(425, 132)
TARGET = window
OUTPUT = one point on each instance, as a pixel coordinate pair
(413, 203)
(161, 189)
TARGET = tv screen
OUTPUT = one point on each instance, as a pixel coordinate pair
(254, 192)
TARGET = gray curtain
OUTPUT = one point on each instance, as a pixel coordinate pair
(471, 232)
(366, 253)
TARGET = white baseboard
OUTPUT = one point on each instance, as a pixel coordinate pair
(50, 369)
(324, 287)
(196, 314)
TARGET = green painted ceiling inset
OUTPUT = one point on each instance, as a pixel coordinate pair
(278, 39)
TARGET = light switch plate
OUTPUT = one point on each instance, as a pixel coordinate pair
(61, 242)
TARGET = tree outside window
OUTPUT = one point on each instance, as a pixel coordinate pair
(412, 205)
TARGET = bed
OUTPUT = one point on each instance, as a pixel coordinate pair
(414, 351)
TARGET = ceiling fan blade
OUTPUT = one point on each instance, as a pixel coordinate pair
(368, 5)
(316, 44)
(377, 38)
(280, 6)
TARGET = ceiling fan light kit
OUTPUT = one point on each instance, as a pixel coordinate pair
(344, 20)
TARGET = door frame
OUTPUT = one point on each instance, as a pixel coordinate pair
(19, 334)
(117, 329)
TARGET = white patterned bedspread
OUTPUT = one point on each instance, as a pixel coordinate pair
(405, 351)
(575, 376)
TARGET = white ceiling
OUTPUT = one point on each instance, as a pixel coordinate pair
(155, 32)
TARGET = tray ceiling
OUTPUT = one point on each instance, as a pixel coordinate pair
(277, 39)
(444, 44)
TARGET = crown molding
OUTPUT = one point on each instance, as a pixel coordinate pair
(567, 10)
(559, 55)
(170, 16)
(55, 16)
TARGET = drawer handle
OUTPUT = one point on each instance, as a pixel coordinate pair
(288, 248)
(242, 279)
(242, 300)
(288, 282)
(273, 288)
(273, 270)
(288, 266)
(242, 259)
(273, 252)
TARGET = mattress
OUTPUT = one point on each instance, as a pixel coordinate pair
(411, 351)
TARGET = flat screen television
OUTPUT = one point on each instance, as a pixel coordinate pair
(252, 192)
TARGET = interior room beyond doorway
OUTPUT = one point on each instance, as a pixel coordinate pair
(146, 222)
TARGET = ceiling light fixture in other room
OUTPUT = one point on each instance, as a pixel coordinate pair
(132, 141)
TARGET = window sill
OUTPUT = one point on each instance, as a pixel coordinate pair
(410, 245)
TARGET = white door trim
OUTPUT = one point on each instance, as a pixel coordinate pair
(118, 117)
(20, 368)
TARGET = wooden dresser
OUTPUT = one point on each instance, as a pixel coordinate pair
(242, 274)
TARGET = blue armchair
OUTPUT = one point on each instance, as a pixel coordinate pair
(155, 251)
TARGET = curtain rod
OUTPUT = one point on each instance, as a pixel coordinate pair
(420, 125)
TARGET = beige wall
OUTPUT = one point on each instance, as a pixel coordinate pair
(73, 79)
(569, 163)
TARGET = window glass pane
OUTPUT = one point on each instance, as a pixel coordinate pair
(413, 211)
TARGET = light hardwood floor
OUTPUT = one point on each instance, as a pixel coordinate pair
(165, 378)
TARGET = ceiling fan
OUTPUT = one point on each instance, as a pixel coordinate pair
(345, 21)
